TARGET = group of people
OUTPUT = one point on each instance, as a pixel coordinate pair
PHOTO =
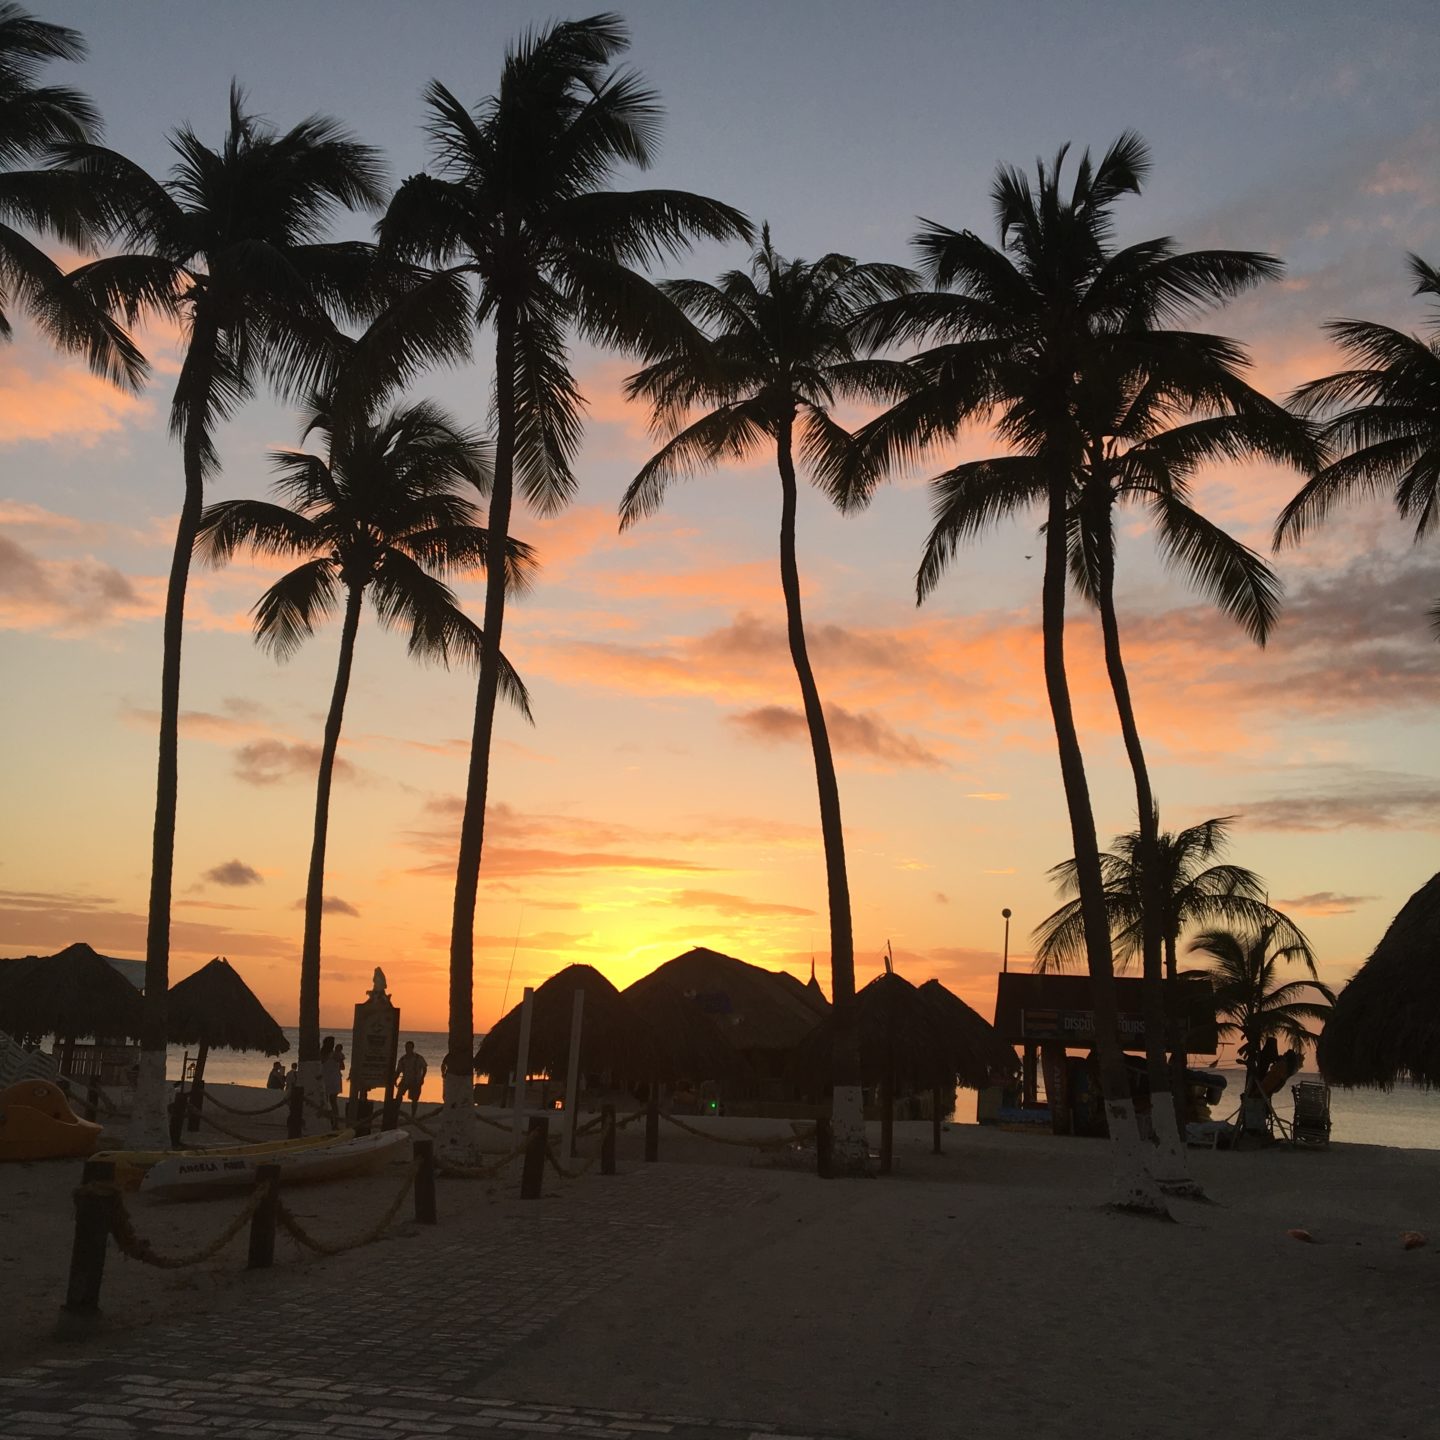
(410, 1073)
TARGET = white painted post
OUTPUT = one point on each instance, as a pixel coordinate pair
(572, 1073)
(522, 1059)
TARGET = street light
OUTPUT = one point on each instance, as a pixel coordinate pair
(1005, 963)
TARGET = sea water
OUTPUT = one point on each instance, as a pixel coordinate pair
(1407, 1116)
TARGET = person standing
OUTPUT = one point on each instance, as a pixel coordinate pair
(333, 1072)
(410, 1076)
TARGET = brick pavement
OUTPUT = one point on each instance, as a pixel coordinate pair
(296, 1365)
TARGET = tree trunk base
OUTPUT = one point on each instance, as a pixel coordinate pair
(311, 1079)
(459, 1139)
(149, 1127)
(1136, 1192)
(1170, 1164)
(850, 1152)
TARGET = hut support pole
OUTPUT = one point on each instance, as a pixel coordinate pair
(572, 1073)
(197, 1088)
(522, 1058)
(887, 1124)
(94, 1205)
(935, 1120)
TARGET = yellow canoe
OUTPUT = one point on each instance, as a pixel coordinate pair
(131, 1166)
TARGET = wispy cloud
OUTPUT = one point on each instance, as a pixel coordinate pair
(234, 873)
(1342, 797)
(1323, 902)
(867, 735)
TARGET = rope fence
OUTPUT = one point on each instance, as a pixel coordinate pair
(212, 1099)
(775, 1142)
(287, 1218)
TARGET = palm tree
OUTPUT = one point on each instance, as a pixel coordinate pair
(1386, 421)
(1145, 439)
(1151, 906)
(231, 246)
(516, 205)
(781, 352)
(384, 511)
(1253, 1003)
(1034, 334)
(33, 120)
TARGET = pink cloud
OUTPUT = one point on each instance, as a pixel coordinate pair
(42, 398)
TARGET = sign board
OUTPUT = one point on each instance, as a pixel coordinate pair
(1077, 1028)
(1035, 1009)
(374, 1040)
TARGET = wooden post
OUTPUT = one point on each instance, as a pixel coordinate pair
(425, 1182)
(533, 1174)
(92, 1096)
(177, 1118)
(391, 1116)
(607, 1139)
(823, 1147)
(935, 1119)
(262, 1222)
(652, 1124)
(93, 1218)
(887, 1124)
(572, 1073)
(295, 1116)
(197, 1088)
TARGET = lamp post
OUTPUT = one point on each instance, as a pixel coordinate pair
(1005, 962)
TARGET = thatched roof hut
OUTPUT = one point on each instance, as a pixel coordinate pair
(72, 993)
(692, 1045)
(980, 1052)
(1386, 1022)
(756, 1011)
(614, 1038)
(214, 1007)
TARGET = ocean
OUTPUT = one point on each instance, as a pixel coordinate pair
(1406, 1117)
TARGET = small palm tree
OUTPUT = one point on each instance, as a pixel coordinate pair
(34, 119)
(1384, 418)
(384, 511)
(781, 351)
(232, 247)
(518, 206)
(1253, 1003)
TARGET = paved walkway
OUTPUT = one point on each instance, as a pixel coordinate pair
(339, 1359)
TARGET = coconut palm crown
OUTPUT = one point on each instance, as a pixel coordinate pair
(525, 238)
(780, 351)
(1384, 418)
(386, 511)
(34, 119)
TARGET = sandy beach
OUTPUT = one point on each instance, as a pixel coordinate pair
(986, 1283)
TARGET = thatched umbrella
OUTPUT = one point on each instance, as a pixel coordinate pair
(214, 1006)
(72, 993)
(1385, 1025)
(614, 1038)
(979, 1051)
(693, 1045)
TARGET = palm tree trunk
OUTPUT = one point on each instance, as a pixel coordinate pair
(457, 1122)
(1173, 1171)
(309, 1057)
(1135, 1190)
(847, 1104)
(149, 1121)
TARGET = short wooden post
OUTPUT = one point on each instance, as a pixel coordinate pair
(425, 1183)
(262, 1222)
(823, 1147)
(94, 1213)
(295, 1116)
(177, 1118)
(92, 1096)
(652, 1124)
(364, 1115)
(935, 1119)
(197, 1089)
(533, 1173)
(607, 1139)
(390, 1117)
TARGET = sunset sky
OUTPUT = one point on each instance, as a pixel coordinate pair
(665, 796)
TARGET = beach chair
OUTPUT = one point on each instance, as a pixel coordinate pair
(1311, 1125)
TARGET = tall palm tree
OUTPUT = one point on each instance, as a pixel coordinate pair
(517, 206)
(1253, 1002)
(384, 511)
(1030, 332)
(1146, 436)
(34, 119)
(781, 351)
(1385, 418)
(231, 246)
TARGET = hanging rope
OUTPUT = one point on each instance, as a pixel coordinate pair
(211, 1099)
(137, 1247)
(776, 1142)
(284, 1216)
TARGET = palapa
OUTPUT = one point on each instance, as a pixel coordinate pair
(614, 1039)
(73, 993)
(1385, 1025)
(215, 1008)
(979, 1051)
(693, 1045)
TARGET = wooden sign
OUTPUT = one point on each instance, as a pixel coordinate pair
(374, 1040)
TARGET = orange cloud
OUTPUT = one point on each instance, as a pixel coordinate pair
(43, 398)
(868, 735)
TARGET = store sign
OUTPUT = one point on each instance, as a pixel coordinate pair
(1077, 1028)
(374, 1039)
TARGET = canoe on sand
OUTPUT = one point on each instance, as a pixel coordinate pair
(131, 1166)
(198, 1173)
